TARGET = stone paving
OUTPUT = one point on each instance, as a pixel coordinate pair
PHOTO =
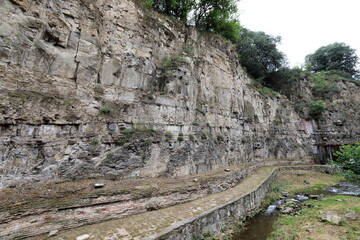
(153, 222)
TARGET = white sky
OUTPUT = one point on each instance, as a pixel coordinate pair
(304, 25)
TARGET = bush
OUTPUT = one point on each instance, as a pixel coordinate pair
(316, 109)
(324, 84)
(325, 89)
(348, 159)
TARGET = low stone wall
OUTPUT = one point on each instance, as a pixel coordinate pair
(237, 209)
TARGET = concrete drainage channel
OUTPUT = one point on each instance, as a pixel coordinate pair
(238, 209)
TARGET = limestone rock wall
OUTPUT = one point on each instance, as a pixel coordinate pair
(107, 89)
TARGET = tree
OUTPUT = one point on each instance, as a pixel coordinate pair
(218, 16)
(336, 56)
(179, 9)
(258, 53)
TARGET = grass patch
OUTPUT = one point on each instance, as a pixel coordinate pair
(307, 224)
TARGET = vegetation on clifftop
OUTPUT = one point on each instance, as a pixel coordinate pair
(217, 16)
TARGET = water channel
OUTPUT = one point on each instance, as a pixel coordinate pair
(261, 225)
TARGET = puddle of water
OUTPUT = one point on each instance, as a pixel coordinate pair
(261, 225)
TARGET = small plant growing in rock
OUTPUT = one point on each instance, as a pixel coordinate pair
(203, 135)
(128, 132)
(245, 139)
(168, 136)
(188, 49)
(201, 111)
(122, 140)
(220, 138)
(94, 141)
(277, 121)
(143, 128)
(180, 137)
(148, 141)
(109, 157)
(191, 137)
(195, 124)
(232, 148)
(99, 89)
(105, 110)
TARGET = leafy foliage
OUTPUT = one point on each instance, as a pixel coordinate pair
(258, 53)
(348, 158)
(217, 16)
(323, 87)
(176, 8)
(336, 56)
(316, 109)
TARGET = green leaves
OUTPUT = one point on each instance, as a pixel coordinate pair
(336, 56)
(258, 53)
(348, 158)
(316, 109)
(217, 16)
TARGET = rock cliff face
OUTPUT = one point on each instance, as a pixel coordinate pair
(107, 89)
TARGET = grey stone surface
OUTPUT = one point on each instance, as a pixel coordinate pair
(63, 63)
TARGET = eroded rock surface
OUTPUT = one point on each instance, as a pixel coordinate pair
(76, 75)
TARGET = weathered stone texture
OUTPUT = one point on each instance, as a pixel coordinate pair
(74, 74)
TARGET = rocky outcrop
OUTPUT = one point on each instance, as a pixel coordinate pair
(107, 88)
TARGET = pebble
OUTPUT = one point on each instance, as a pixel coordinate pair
(53, 233)
(83, 237)
(98, 185)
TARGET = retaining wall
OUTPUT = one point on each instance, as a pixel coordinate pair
(238, 209)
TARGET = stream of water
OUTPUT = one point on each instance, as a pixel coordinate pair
(261, 225)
